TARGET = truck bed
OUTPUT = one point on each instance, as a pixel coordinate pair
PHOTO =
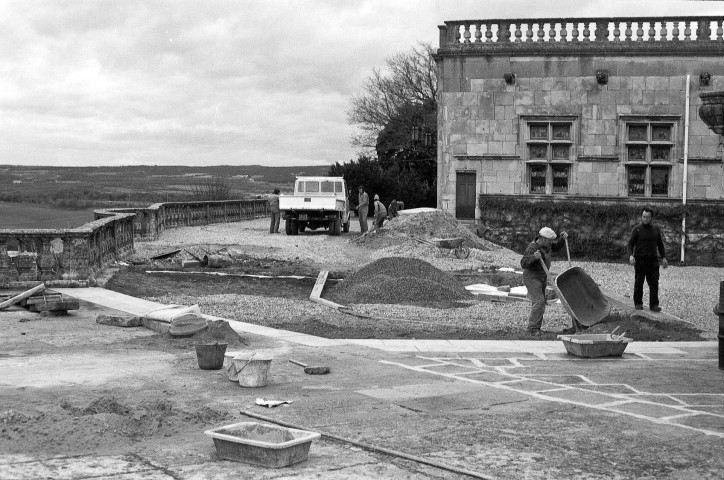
(288, 202)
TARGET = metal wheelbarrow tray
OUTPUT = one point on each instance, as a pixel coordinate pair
(581, 297)
(456, 244)
(594, 345)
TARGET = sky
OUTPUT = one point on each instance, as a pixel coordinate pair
(238, 82)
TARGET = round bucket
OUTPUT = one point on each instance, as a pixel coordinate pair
(253, 370)
(210, 355)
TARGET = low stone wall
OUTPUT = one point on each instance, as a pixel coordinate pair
(600, 229)
(71, 254)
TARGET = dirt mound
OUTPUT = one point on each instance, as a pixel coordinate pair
(427, 225)
(399, 280)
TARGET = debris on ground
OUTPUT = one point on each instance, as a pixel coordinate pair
(427, 225)
(399, 280)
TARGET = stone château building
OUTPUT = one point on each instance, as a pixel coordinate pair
(592, 108)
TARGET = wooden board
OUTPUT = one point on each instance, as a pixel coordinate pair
(67, 304)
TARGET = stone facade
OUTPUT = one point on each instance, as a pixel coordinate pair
(579, 108)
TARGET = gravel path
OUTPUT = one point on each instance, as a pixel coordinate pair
(686, 292)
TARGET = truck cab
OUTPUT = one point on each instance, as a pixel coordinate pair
(317, 202)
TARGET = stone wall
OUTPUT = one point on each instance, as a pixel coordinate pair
(72, 254)
(600, 229)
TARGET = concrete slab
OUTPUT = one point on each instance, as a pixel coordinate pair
(70, 468)
(404, 392)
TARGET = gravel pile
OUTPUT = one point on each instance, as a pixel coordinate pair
(426, 225)
(399, 280)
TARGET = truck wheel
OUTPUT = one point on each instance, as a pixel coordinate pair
(345, 227)
(337, 226)
(330, 228)
(302, 226)
(295, 227)
(288, 226)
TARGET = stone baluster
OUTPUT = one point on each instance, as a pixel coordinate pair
(616, 32)
(466, 33)
(478, 33)
(488, 32)
(639, 31)
(675, 32)
(564, 31)
(703, 30)
(586, 32)
(687, 31)
(541, 31)
(664, 32)
(574, 32)
(719, 30)
(504, 32)
(518, 33)
(601, 31)
(529, 32)
(628, 31)
(552, 32)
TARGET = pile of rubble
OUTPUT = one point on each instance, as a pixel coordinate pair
(399, 280)
(426, 225)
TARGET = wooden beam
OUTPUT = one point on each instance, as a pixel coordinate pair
(22, 296)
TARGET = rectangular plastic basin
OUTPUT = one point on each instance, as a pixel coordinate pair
(594, 345)
(259, 444)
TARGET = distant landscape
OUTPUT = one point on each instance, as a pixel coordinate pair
(64, 197)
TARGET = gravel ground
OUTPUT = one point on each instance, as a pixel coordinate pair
(686, 292)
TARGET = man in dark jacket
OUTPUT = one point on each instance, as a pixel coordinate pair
(534, 277)
(645, 243)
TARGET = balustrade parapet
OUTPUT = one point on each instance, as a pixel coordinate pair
(664, 35)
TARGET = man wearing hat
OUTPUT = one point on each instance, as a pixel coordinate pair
(380, 213)
(534, 277)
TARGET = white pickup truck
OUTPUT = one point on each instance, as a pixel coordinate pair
(317, 202)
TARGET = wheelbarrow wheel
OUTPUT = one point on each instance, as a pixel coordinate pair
(462, 252)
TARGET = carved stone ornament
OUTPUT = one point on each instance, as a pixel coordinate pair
(712, 111)
(602, 77)
(704, 79)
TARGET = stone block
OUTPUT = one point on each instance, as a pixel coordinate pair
(657, 83)
(648, 97)
(500, 112)
(503, 98)
(614, 83)
(559, 98)
(638, 83)
(661, 97)
(190, 263)
(524, 98)
(120, 320)
(542, 98)
(156, 325)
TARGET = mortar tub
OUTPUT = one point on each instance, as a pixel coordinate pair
(230, 366)
(259, 444)
(594, 345)
(252, 369)
(210, 355)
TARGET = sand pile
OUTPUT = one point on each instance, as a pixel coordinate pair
(399, 280)
(426, 225)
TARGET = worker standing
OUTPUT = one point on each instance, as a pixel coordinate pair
(645, 243)
(274, 210)
(363, 205)
(380, 213)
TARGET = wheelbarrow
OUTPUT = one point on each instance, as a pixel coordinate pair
(456, 244)
(579, 294)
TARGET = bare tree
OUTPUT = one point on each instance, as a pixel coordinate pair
(410, 79)
(215, 188)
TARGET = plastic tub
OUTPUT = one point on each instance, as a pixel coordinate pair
(210, 355)
(252, 369)
(259, 444)
(594, 345)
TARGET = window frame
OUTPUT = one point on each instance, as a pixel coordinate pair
(550, 161)
(648, 146)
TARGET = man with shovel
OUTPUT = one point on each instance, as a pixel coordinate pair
(534, 276)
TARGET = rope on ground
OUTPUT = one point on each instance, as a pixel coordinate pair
(373, 448)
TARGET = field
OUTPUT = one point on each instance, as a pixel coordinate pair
(104, 187)
(24, 215)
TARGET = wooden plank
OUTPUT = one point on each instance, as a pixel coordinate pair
(22, 296)
(319, 285)
(35, 299)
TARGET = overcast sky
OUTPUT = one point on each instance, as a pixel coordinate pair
(240, 82)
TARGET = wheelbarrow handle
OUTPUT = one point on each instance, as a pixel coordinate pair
(568, 252)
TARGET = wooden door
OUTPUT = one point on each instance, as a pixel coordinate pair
(465, 195)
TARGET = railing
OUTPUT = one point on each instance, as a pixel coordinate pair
(72, 254)
(637, 33)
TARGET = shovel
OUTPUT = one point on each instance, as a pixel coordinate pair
(311, 370)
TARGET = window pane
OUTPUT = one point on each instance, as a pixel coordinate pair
(637, 153)
(539, 131)
(637, 133)
(561, 132)
(636, 179)
(560, 178)
(660, 153)
(561, 152)
(539, 152)
(338, 187)
(661, 133)
(538, 178)
(328, 187)
(660, 181)
(311, 187)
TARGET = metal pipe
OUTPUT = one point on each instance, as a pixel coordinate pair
(686, 166)
(719, 310)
